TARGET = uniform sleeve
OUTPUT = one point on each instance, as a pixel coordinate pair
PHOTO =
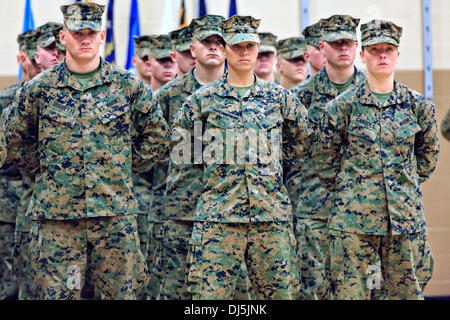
(21, 132)
(445, 126)
(151, 138)
(326, 144)
(183, 139)
(296, 131)
(2, 147)
(426, 146)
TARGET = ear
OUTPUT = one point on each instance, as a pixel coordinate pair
(278, 65)
(62, 36)
(306, 56)
(37, 58)
(134, 61)
(102, 36)
(322, 47)
(361, 54)
(172, 55)
(192, 49)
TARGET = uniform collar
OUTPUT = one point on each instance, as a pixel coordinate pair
(67, 79)
(398, 96)
(190, 82)
(225, 90)
(326, 87)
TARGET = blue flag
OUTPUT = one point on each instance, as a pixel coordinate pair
(28, 24)
(233, 9)
(110, 54)
(134, 31)
(202, 11)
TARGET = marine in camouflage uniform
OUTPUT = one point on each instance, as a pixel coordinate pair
(162, 66)
(45, 38)
(181, 53)
(313, 55)
(311, 201)
(184, 186)
(290, 62)
(374, 150)
(244, 212)
(141, 56)
(95, 133)
(11, 187)
(445, 126)
(267, 57)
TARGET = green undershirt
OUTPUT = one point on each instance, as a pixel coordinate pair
(382, 97)
(85, 77)
(242, 91)
(341, 87)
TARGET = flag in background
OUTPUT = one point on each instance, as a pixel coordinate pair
(28, 24)
(202, 11)
(171, 16)
(110, 54)
(183, 18)
(233, 9)
(133, 31)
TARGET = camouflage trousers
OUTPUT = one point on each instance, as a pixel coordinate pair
(313, 258)
(173, 261)
(23, 273)
(60, 257)
(217, 251)
(142, 227)
(360, 263)
(8, 287)
(154, 248)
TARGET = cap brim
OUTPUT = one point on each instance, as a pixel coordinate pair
(161, 54)
(45, 43)
(264, 48)
(80, 25)
(336, 36)
(205, 34)
(372, 41)
(292, 54)
(241, 37)
(183, 47)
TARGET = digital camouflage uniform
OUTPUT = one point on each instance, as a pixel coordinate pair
(311, 201)
(291, 48)
(244, 212)
(445, 126)
(313, 34)
(81, 144)
(374, 157)
(45, 36)
(181, 38)
(143, 181)
(184, 185)
(10, 186)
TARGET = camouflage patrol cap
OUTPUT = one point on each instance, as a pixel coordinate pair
(30, 43)
(56, 31)
(21, 40)
(268, 42)
(240, 29)
(207, 26)
(291, 48)
(379, 31)
(160, 46)
(142, 46)
(83, 15)
(181, 38)
(313, 34)
(339, 27)
(46, 33)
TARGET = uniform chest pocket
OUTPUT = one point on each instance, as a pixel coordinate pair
(406, 130)
(366, 133)
(221, 120)
(57, 126)
(115, 119)
(271, 119)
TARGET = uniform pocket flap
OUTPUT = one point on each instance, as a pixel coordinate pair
(111, 110)
(363, 132)
(407, 130)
